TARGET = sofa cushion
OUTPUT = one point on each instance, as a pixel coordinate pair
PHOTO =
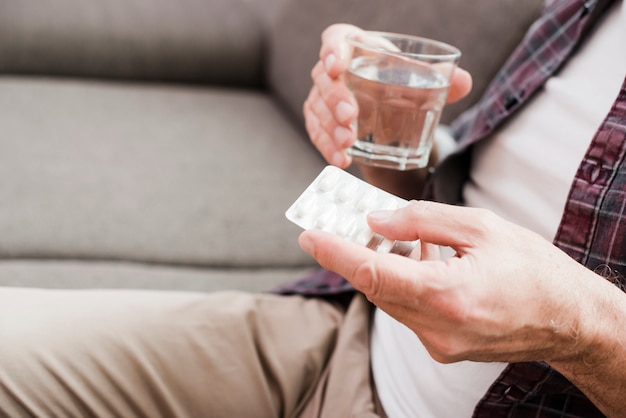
(150, 173)
(484, 30)
(120, 275)
(216, 41)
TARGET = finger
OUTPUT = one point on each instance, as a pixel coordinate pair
(332, 147)
(460, 85)
(336, 95)
(315, 106)
(425, 251)
(435, 223)
(335, 53)
(312, 123)
(381, 277)
(343, 136)
(325, 145)
(429, 251)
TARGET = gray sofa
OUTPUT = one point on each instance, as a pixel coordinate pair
(157, 143)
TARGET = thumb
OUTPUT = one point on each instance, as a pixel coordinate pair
(460, 85)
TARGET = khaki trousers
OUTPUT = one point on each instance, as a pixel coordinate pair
(114, 353)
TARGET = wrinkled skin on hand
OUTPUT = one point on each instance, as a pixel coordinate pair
(503, 297)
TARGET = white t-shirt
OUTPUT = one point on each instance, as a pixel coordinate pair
(523, 173)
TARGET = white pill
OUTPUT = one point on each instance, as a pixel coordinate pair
(325, 218)
(328, 181)
(367, 201)
(346, 191)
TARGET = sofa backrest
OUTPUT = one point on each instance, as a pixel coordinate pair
(208, 41)
(485, 30)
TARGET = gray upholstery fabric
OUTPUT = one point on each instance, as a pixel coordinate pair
(210, 41)
(139, 183)
(108, 275)
(194, 176)
(484, 30)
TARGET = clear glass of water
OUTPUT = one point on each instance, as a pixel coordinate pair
(400, 83)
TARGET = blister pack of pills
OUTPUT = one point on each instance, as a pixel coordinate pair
(338, 202)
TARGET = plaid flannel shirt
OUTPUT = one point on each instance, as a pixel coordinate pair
(593, 225)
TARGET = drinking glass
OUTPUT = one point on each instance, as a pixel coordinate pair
(400, 83)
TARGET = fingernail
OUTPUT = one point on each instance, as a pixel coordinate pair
(305, 243)
(342, 135)
(329, 62)
(344, 111)
(338, 158)
(380, 216)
